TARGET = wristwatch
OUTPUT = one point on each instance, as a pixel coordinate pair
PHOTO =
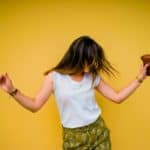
(14, 92)
(139, 80)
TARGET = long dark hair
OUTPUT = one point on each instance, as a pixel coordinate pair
(84, 50)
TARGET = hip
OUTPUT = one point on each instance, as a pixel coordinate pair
(93, 135)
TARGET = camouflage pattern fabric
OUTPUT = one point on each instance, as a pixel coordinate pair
(95, 136)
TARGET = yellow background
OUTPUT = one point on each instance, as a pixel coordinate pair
(35, 35)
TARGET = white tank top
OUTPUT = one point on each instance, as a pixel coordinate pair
(76, 99)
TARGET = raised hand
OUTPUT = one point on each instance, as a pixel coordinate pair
(6, 83)
(143, 70)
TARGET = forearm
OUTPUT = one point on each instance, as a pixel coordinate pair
(127, 91)
(25, 101)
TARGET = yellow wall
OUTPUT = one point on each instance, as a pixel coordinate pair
(35, 35)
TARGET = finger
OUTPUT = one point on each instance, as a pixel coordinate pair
(148, 64)
(1, 77)
(141, 65)
(6, 74)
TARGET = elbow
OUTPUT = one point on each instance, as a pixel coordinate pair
(34, 108)
(118, 100)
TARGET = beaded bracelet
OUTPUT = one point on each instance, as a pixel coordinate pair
(139, 80)
(14, 92)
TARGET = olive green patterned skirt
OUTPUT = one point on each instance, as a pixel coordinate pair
(95, 136)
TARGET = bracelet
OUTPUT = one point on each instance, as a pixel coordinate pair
(139, 80)
(14, 92)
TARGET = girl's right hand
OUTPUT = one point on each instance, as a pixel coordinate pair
(6, 83)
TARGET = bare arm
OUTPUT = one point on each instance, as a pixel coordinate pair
(120, 96)
(33, 104)
(117, 96)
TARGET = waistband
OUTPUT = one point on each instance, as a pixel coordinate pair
(86, 127)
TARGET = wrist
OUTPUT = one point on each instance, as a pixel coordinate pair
(13, 92)
(140, 80)
(11, 89)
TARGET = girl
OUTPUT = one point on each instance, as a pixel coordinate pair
(73, 81)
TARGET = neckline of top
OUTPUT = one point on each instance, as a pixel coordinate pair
(74, 81)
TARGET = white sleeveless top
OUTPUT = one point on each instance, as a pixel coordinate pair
(75, 99)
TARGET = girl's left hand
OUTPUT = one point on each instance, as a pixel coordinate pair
(142, 74)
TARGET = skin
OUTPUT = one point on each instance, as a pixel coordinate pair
(34, 104)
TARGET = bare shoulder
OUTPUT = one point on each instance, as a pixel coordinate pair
(102, 84)
(49, 78)
(50, 75)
